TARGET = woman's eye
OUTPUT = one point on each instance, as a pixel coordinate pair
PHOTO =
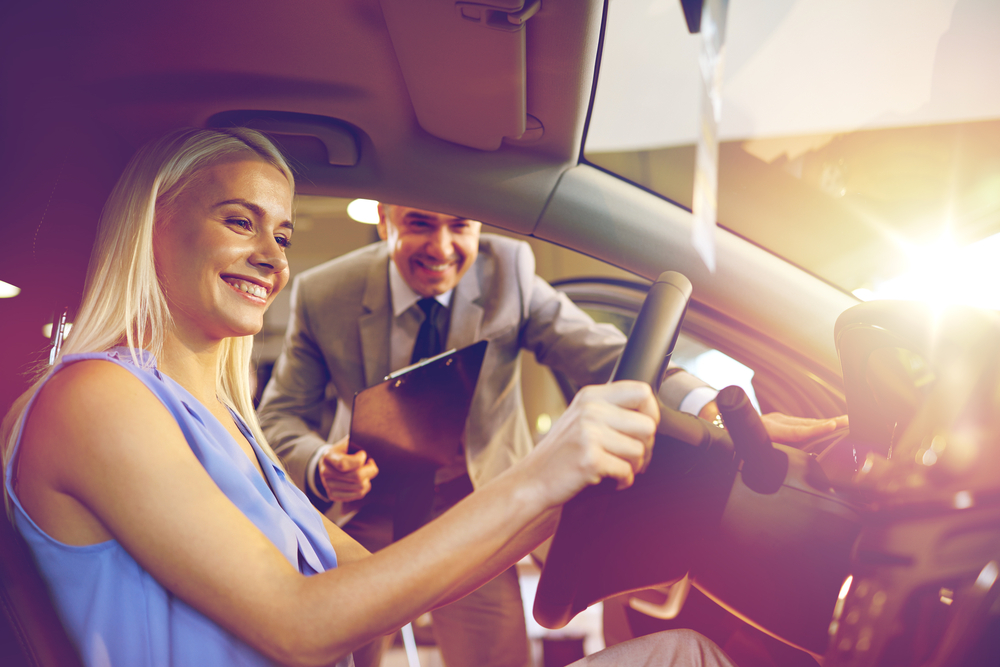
(240, 222)
(283, 241)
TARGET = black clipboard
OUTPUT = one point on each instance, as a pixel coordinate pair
(416, 417)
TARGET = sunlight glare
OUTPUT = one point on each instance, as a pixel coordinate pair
(721, 370)
(944, 274)
(864, 294)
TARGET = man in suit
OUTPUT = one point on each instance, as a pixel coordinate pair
(359, 317)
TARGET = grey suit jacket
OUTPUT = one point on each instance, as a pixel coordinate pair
(337, 343)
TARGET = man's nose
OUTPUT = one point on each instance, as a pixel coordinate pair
(441, 243)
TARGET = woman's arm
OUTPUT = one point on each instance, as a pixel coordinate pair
(98, 440)
(349, 550)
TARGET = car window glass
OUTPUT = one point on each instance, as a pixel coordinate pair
(544, 390)
(704, 362)
(860, 141)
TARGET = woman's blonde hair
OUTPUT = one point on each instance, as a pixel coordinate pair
(123, 302)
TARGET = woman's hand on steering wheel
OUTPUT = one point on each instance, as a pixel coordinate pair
(607, 431)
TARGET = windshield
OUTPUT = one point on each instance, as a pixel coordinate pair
(859, 140)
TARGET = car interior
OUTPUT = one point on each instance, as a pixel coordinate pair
(858, 171)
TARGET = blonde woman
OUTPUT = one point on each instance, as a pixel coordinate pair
(135, 469)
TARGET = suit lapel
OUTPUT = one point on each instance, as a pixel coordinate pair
(374, 323)
(466, 311)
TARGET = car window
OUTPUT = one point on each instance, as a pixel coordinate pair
(324, 229)
(703, 361)
(860, 141)
(617, 302)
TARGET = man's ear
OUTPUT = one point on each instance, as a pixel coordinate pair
(383, 216)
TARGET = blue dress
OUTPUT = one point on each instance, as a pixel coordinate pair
(113, 610)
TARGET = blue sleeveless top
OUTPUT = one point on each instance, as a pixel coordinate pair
(114, 611)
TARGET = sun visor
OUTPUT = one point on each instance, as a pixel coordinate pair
(464, 66)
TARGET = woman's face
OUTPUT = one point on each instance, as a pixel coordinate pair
(220, 248)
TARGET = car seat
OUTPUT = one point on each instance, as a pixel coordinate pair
(31, 634)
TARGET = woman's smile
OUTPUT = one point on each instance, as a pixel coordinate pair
(254, 292)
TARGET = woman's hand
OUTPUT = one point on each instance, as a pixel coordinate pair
(607, 431)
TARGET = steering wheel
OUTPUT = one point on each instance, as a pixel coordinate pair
(667, 504)
(655, 331)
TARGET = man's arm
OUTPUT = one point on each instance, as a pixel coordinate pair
(567, 339)
(784, 428)
(558, 332)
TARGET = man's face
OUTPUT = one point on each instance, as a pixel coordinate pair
(431, 250)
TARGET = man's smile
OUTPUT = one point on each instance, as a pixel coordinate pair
(435, 267)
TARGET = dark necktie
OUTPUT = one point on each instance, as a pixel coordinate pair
(430, 338)
(415, 493)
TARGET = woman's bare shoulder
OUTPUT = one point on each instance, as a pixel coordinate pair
(90, 384)
(78, 443)
(90, 407)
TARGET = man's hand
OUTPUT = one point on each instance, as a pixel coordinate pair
(790, 430)
(346, 476)
(787, 429)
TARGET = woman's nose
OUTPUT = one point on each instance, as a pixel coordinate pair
(270, 254)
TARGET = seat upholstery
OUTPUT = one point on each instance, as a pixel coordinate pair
(31, 634)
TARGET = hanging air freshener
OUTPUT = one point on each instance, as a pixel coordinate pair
(706, 168)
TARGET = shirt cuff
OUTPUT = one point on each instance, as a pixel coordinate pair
(697, 399)
(312, 472)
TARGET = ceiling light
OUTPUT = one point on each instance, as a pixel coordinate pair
(543, 424)
(364, 210)
(7, 290)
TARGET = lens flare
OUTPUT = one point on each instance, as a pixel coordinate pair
(943, 273)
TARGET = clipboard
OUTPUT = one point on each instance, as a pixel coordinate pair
(416, 417)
